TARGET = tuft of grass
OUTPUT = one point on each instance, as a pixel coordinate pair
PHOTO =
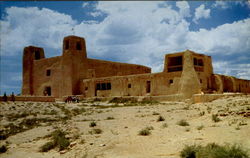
(237, 128)
(92, 124)
(202, 113)
(182, 123)
(3, 149)
(190, 151)
(156, 113)
(60, 140)
(215, 118)
(164, 125)
(200, 127)
(95, 131)
(187, 129)
(47, 146)
(213, 150)
(110, 118)
(144, 132)
(149, 128)
(160, 118)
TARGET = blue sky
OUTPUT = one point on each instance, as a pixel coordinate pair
(133, 32)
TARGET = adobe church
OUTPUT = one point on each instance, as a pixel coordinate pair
(185, 73)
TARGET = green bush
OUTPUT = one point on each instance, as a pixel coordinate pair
(59, 140)
(92, 124)
(213, 150)
(160, 118)
(182, 123)
(144, 132)
(48, 146)
(215, 118)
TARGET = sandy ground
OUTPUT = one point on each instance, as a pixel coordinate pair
(119, 137)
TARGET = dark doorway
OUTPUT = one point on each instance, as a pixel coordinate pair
(148, 87)
(48, 90)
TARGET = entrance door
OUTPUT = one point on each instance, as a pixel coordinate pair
(48, 90)
(148, 87)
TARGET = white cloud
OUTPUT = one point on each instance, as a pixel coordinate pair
(221, 4)
(134, 32)
(227, 38)
(201, 12)
(33, 26)
(184, 8)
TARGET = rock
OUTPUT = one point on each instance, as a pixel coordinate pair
(63, 151)
(102, 145)
(72, 144)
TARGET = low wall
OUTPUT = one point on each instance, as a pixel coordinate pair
(199, 98)
(140, 98)
(31, 98)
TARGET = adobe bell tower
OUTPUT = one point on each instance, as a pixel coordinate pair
(73, 65)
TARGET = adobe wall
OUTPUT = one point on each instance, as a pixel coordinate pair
(103, 68)
(133, 85)
(222, 83)
(31, 98)
(40, 78)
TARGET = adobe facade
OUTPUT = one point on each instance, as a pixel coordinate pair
(185, 73)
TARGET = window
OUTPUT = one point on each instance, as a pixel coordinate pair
(37, 55)
(78, 46)
(67, 44)
(86, 88)
(103, 86)
(48, 72)
(174, 61)
(175, 64)
(200, 80)
(148, 88)
(170, 81)
(129, 85)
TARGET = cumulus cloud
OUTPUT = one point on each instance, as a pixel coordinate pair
(33, 26)
(184, 8)
(134, 32)
(201, 12)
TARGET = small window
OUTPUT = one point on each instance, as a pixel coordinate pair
(108, 86)
(171, 81)
(48, 72)
(67, 44)
(129, 85)
(37, 55)
(78, 46)
(200, 80)
(86, 88)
